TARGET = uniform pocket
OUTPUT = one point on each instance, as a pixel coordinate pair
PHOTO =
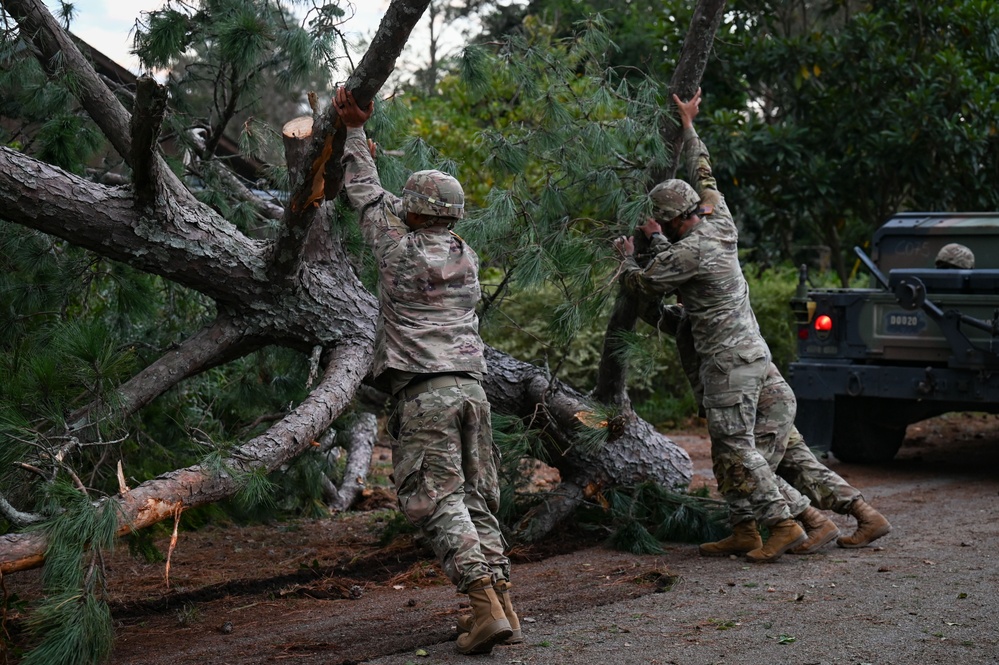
(726, 413)
(751, 354)
(416, 500)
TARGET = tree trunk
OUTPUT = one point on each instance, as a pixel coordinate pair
(612, 373)
(634, 451)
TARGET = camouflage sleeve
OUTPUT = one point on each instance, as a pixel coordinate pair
(364, 189)
(658, 243)
(698, 161)
(667, 270)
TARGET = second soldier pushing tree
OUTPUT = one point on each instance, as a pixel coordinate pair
(700, 261)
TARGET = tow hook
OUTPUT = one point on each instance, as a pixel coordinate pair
(854, 386)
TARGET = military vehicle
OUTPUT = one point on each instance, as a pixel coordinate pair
(919, 342)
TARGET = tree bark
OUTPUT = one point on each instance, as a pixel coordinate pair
(633, 453)
(359, 442)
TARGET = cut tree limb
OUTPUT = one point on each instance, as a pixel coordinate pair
(359, 442)
(147, 117)
(157, 499)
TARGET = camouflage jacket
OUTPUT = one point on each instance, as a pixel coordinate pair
(428, 280)
(703, 266)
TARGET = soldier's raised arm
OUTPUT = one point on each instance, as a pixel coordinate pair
(360, 179)
(695, 153)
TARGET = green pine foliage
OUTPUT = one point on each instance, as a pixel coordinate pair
(71, 624)
(239, 65)
(75, 629)
(554, 147)
(642, 517)
(44, 119)
(770, 292)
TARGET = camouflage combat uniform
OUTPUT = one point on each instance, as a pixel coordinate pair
(703, 266)
(799, 473)
(429, 354)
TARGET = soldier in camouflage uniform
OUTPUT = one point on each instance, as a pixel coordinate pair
(781, 444)
(428, 353)
(700, 260)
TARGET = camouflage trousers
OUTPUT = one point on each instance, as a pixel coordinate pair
(774, 420)
(801, 478)
(733, 381)
(826, 488)
(445, 469)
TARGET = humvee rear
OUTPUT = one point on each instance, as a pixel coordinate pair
(918, 343)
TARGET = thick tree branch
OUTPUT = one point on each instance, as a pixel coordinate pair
(215, 345)
(159, 498)
(195, 247)
(612, 373)
(15, 516)
(359, 441)
(147, 117)
(697, 46)
(634, 452)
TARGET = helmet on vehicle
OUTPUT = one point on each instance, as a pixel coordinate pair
(955, 256)
(433, 193)
(673, 198)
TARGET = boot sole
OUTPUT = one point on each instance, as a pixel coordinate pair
(516, 635)
(486, 644)
(877, 534)
(814, 547)
(776, 555)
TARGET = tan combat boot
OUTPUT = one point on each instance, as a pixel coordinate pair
(819, 529)
(871, 525)
(783, 536)
(502, 589)
(744, 538)
(489, 622)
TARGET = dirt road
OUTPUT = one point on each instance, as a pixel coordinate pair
(324, 592)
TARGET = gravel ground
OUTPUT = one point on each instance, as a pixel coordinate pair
(926, 593)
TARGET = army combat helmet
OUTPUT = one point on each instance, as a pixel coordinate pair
(673, 198)
(954, 255)
(434, 193)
